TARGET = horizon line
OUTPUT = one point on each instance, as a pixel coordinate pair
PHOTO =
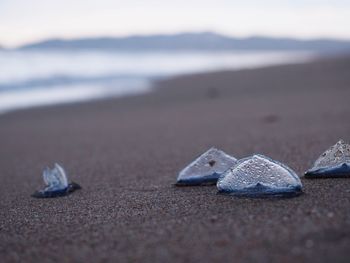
(122, 36)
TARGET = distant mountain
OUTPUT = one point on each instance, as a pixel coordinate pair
(190, 41)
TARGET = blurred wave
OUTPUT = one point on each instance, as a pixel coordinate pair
(33, 78)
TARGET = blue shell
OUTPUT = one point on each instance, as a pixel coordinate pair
(260, 176)
(206, 169)
(56, 182)
(333, 163)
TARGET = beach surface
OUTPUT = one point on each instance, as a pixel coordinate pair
(126, 154)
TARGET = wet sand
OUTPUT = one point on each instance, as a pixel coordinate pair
(126, 154)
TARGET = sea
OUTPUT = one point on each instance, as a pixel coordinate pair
(38, 78)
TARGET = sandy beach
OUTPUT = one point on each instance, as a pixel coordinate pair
(126, 154)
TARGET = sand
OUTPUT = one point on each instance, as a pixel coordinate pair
(126, 154)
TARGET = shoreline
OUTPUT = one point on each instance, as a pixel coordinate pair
(68, 85)
(126, 154)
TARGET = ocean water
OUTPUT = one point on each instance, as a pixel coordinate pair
(36, 78)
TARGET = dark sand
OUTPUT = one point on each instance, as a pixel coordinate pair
(126, 154)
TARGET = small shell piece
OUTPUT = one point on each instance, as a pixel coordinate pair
(206, 169)
(56, 183)
(334, 162)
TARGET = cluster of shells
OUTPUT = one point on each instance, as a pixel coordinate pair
(258, 175)
(253, 176)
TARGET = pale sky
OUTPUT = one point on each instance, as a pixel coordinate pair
(23, 21)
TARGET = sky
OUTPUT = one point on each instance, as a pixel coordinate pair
(24, 21)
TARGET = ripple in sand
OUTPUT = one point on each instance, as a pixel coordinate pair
(206, 169)
(259, 176)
